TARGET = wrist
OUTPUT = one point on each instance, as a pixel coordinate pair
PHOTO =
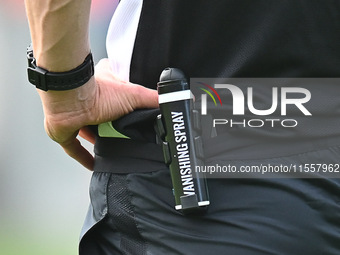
(47, 80)
(68, 103)
(62, 58)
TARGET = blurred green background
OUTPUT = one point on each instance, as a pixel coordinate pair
(43, 193)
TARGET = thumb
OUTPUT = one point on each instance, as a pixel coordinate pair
(144, 97)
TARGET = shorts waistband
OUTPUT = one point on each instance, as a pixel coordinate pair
(119, 155)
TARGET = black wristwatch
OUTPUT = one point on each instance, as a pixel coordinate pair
(45, 80)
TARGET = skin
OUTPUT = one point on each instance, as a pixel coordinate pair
(59, 31)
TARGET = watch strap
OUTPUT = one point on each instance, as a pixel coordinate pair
(45, 80)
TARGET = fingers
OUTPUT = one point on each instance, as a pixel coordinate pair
(75, 150)
(102, 64)
(87, 134)
(120, 97)
(144, 97)
(104, 99)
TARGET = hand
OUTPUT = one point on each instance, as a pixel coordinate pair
(104, 98)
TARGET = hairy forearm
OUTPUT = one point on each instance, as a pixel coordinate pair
(59, 32)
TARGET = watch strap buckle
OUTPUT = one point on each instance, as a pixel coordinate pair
(45, 80)
(37, 77)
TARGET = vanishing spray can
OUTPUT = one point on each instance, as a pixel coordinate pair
(178, 126)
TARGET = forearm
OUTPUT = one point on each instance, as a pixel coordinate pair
(59, 32)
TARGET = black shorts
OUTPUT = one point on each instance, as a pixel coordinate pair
(133, 213)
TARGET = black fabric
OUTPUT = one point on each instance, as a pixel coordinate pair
(120, 155)
(246, 217)
(249, 39)
(117, 233)
(218, 38)
(138, 125)
(101, 239)
(120, 211)
(228, 38)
